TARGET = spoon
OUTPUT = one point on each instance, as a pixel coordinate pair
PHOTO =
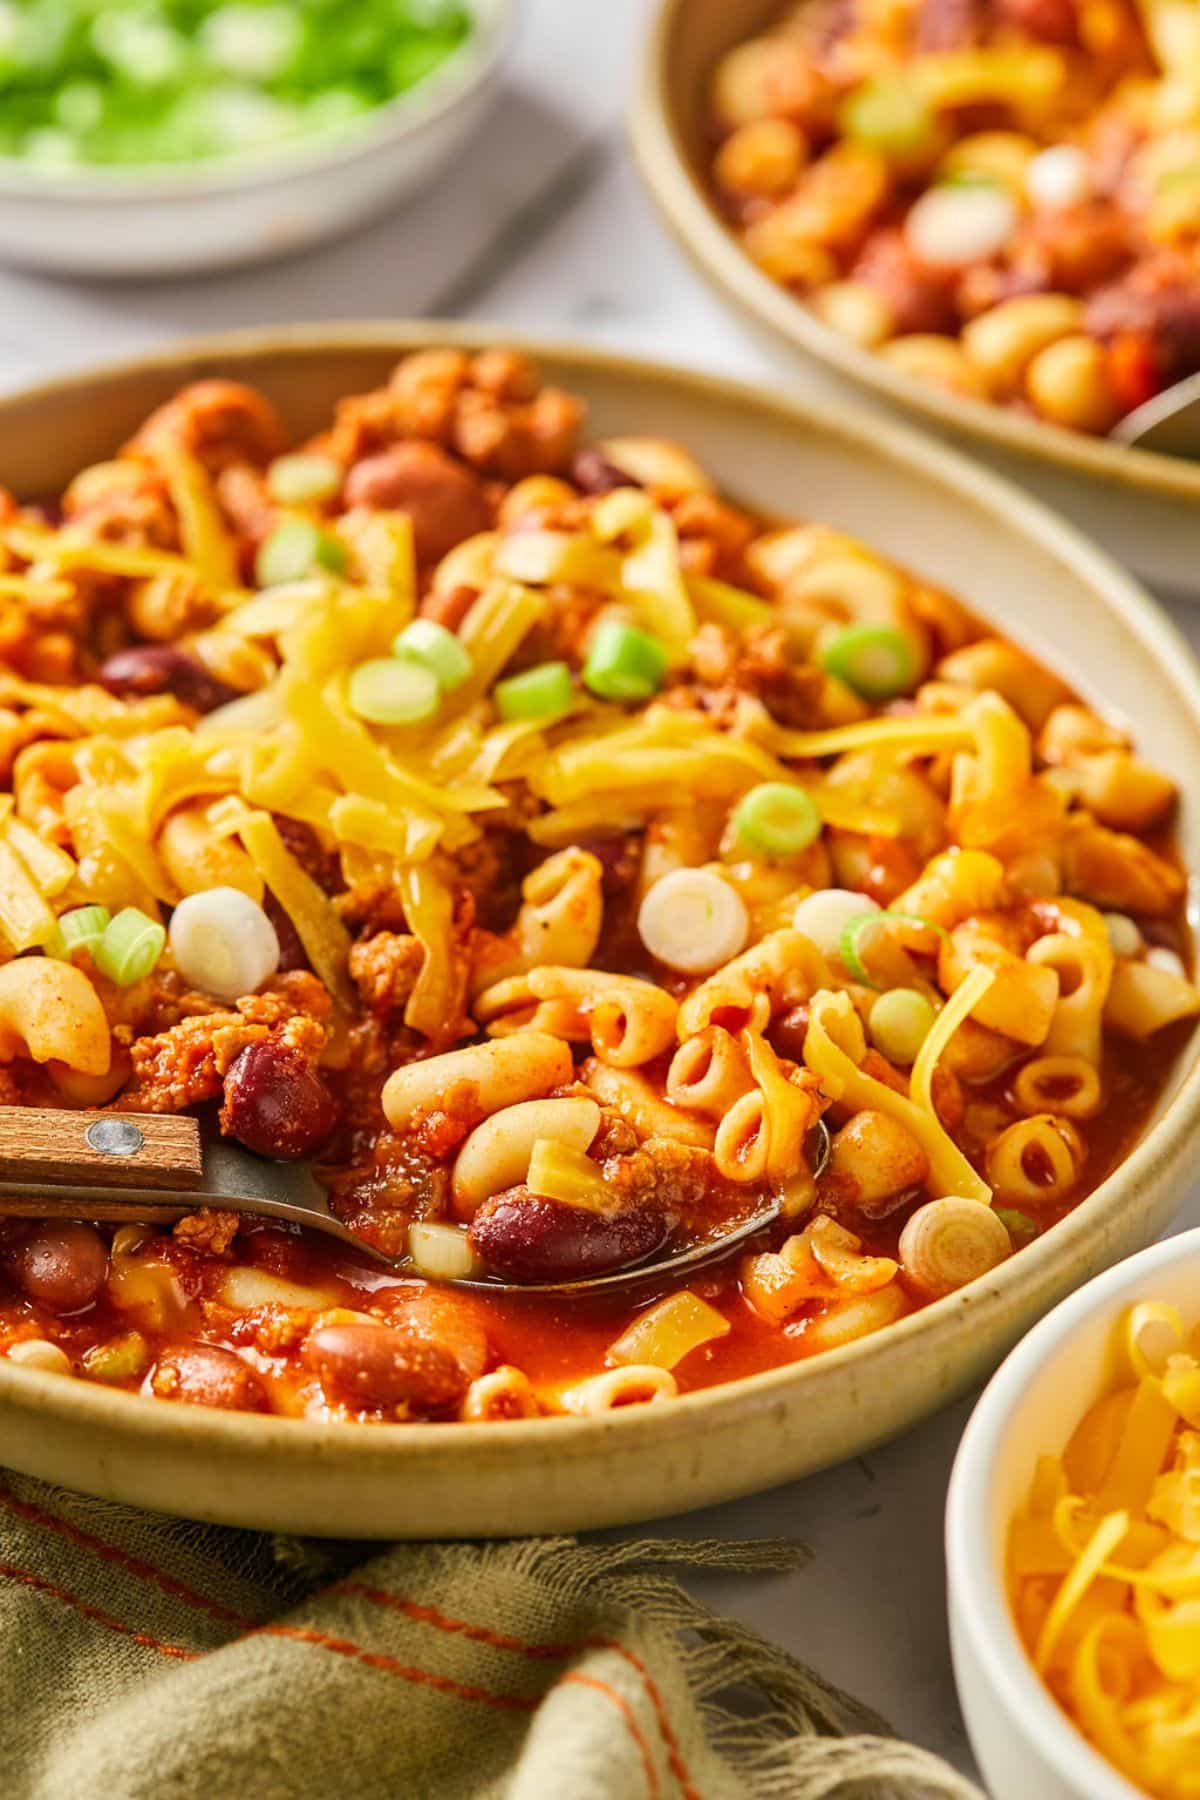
(155, 1168)
(1169, 423)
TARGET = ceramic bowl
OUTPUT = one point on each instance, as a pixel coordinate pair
(962, 528)
(1143, 507)
(177, 220)
(1025, 1745)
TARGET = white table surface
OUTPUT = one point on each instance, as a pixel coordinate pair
(543, 225)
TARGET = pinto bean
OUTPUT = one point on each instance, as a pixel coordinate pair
(276, 1103)
(526, 1238)
(62, 1266)
(207, 1375)
(164, 669)
(384, 1366)
(442, 498)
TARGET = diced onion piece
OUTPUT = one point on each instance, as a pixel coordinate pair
(1058, 177)
(120, 1359)
(624, 663)
(692, 920)
(297, 480)
(1123, 935)
(130, 947)
(544, 692)
(294, 549)
(442, 1252)
(899, 1023)
(954, 225)
(244, 1289)
(891, 115)
(951, 1241)
(1158, 957)
(823, 916)
(877, 661)
(777, 819)
(40, 1353)
(388, 690)
(426, 642)
(223, 943)
(558, 1172)
(80, 929)
(669, 1331)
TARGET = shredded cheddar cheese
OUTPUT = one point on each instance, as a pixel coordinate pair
(1104, 1563)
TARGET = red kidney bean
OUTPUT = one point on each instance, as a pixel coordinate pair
(164, 669)
(443, 499)
(592, 473)
(384, 1366)
(207, 1375)
(62, 1266)
(277, 1104)
(523, 1237)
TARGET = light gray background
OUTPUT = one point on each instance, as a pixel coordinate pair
(543, 225)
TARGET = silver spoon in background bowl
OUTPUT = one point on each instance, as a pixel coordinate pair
(1169, 423)
(154, 1168)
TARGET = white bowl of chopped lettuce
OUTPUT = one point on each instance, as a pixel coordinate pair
(144, 137)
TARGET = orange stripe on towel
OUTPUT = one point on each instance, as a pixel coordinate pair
(9, 1572)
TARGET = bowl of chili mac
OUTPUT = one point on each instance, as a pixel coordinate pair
(984, 213)
(1071, 1544)
(537, 789)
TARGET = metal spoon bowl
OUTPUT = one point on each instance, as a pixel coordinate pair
(103, 1150)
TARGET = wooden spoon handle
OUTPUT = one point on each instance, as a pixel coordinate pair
(146, 1150)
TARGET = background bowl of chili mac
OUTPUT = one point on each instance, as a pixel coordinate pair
(959, 526)
(1143, 507)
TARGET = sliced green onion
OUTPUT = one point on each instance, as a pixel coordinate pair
(390, 691)
(891, 115)
(294, 480)
(877, 661)
(1020, 1227)
(436, 649)
(778, 819)
(544, 692)
(295, 549)
(130, 947)
(852, 941)
(80, 929)
(900, 1021)
(624, 663)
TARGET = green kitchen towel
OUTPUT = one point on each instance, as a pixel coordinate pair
(145, 1658)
